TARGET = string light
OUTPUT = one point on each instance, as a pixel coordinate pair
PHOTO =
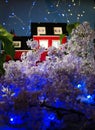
(77, 18)
(71, 14)
(13, 13)
(69, 10)
(58, 3)
(48, 12)
(78, 15)
(74, 4)
(4, 23)
(69, 5)
(23, 28)
(83, 11)
(63, 15)
(68, 21)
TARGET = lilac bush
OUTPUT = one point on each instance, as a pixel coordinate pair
(65, 81)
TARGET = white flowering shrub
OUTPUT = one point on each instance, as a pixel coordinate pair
(65, 81)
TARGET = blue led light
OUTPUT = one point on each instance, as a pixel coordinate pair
(23, 28)
(11, 119)
(4, 23)
(79, 86)
(89, 96)
(63, 15)
(42, 98)
(13, 13)
(51, 116)
(15, 119)
(90, 99)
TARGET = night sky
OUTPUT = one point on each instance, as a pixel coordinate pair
(17, 15)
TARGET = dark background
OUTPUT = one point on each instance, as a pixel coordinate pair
(17, 15)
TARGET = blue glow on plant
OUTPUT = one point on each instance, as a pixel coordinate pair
(82, 86)
(11, 119)
(13, 13)
(50, 120)
(89, 97)
(46, 121)
(23, 28)
(14, 89)
(36, 82)
(42, 98)
(78, 83)
(4, 23)
(15, 119)
(58, 103)
(79, 86)
(8, 91)
(51, 116)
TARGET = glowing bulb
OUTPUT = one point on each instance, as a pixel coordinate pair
(79, 86)
(12, 13)
(15, 119)
(69, 10)
(48, 12)
(71, 14)
(69, 5)
(79, 15)
(83, 11)
(4, 23)
(63, 14)
(68, 21)
(89, 96)
(74, 4)
(11, 119)
(23, 28)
